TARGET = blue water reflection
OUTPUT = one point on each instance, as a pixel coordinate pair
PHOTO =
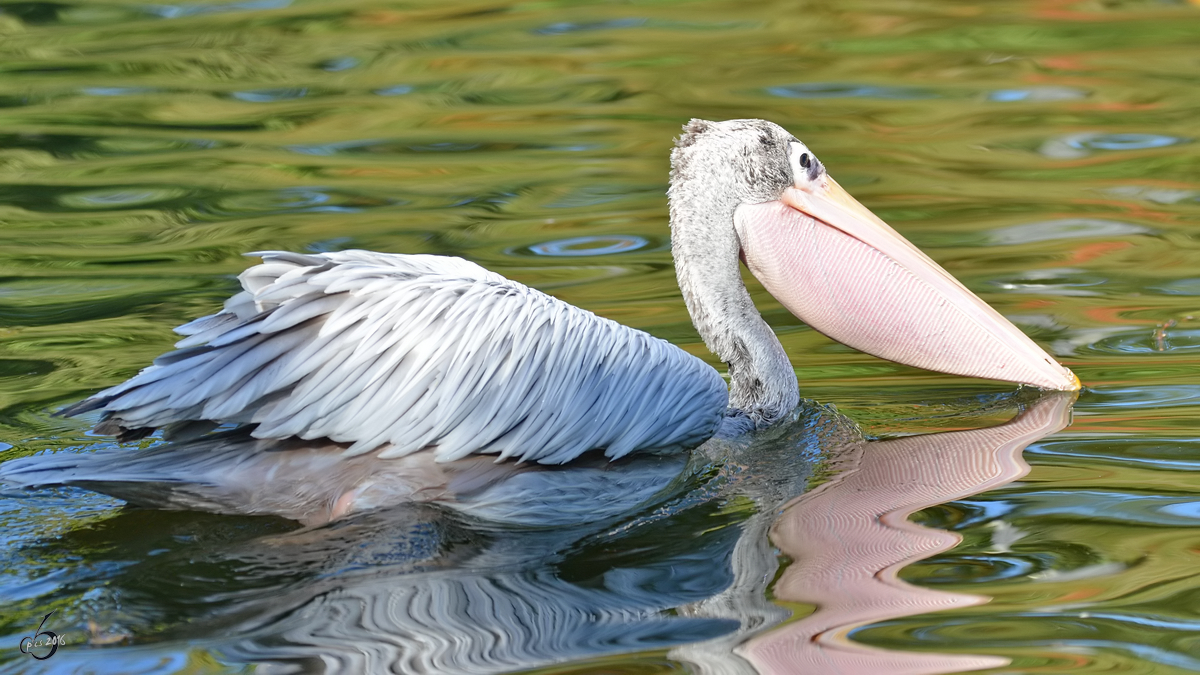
(570, 27)
(1128, 508)
(184, 10)
(1169, 454)
(1075, 146)
(1161, 396)
(270, 95)
(848, 90)
(290, 200)
(120, 198)
(118, 91)
(1190, 286)
(385, 146)
(1038, 94)
(395, 90)
(339, 64)
(590, 246)
(1174, 340)
(1074, 644)
(1129, 141)
(1183, 509)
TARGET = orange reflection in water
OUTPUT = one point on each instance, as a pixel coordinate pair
(850, 537)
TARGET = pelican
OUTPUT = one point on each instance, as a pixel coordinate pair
(396, 354)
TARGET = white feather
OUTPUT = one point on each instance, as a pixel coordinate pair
(418, 351)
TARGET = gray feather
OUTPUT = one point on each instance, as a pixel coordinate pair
(413, 352)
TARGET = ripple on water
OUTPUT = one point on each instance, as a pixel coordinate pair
(1129, 508)
(1145, 341)
(120, 197)
(119, 91)
(1157, 195)
(323, 109)
(339, 64)
(588, 196)
(270, 95)
(951, 569)
(1064, 282)
(396, 90)
(1178, 287)
(329, 245)
(34, 13)
(585, 246)
(1037, 94)
(330, 149)
(292, 200)
(996, 563)
(608, 91)
(384, 146)
(1075, 146)
(191, 9)
(848, 90)
(1156, 396)
(125, 145)
(1073, 647)
(1170, 454)
(572, 27)
(1190, 510)
(77, 146)
(1063, 228)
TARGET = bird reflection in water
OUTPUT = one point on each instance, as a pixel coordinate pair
(851, 537)
(409, 566)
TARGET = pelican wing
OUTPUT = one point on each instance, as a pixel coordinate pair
(405, 352)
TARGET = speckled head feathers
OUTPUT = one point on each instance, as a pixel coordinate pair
(717, 167)
(748, 155)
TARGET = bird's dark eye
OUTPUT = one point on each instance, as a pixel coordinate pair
(804, 160)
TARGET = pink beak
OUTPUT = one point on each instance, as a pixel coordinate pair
(846, 273)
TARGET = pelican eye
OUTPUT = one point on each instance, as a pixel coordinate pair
(805, 165)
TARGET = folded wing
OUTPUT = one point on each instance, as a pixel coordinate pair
(404, 352)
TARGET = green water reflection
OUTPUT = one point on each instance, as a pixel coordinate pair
(1045, 152)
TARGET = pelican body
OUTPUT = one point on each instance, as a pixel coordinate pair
(396, 354)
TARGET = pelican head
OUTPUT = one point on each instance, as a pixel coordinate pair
(748, 190)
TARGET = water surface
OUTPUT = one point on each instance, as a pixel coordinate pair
(1045, 152)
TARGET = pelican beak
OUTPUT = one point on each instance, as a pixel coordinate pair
(846, 273)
